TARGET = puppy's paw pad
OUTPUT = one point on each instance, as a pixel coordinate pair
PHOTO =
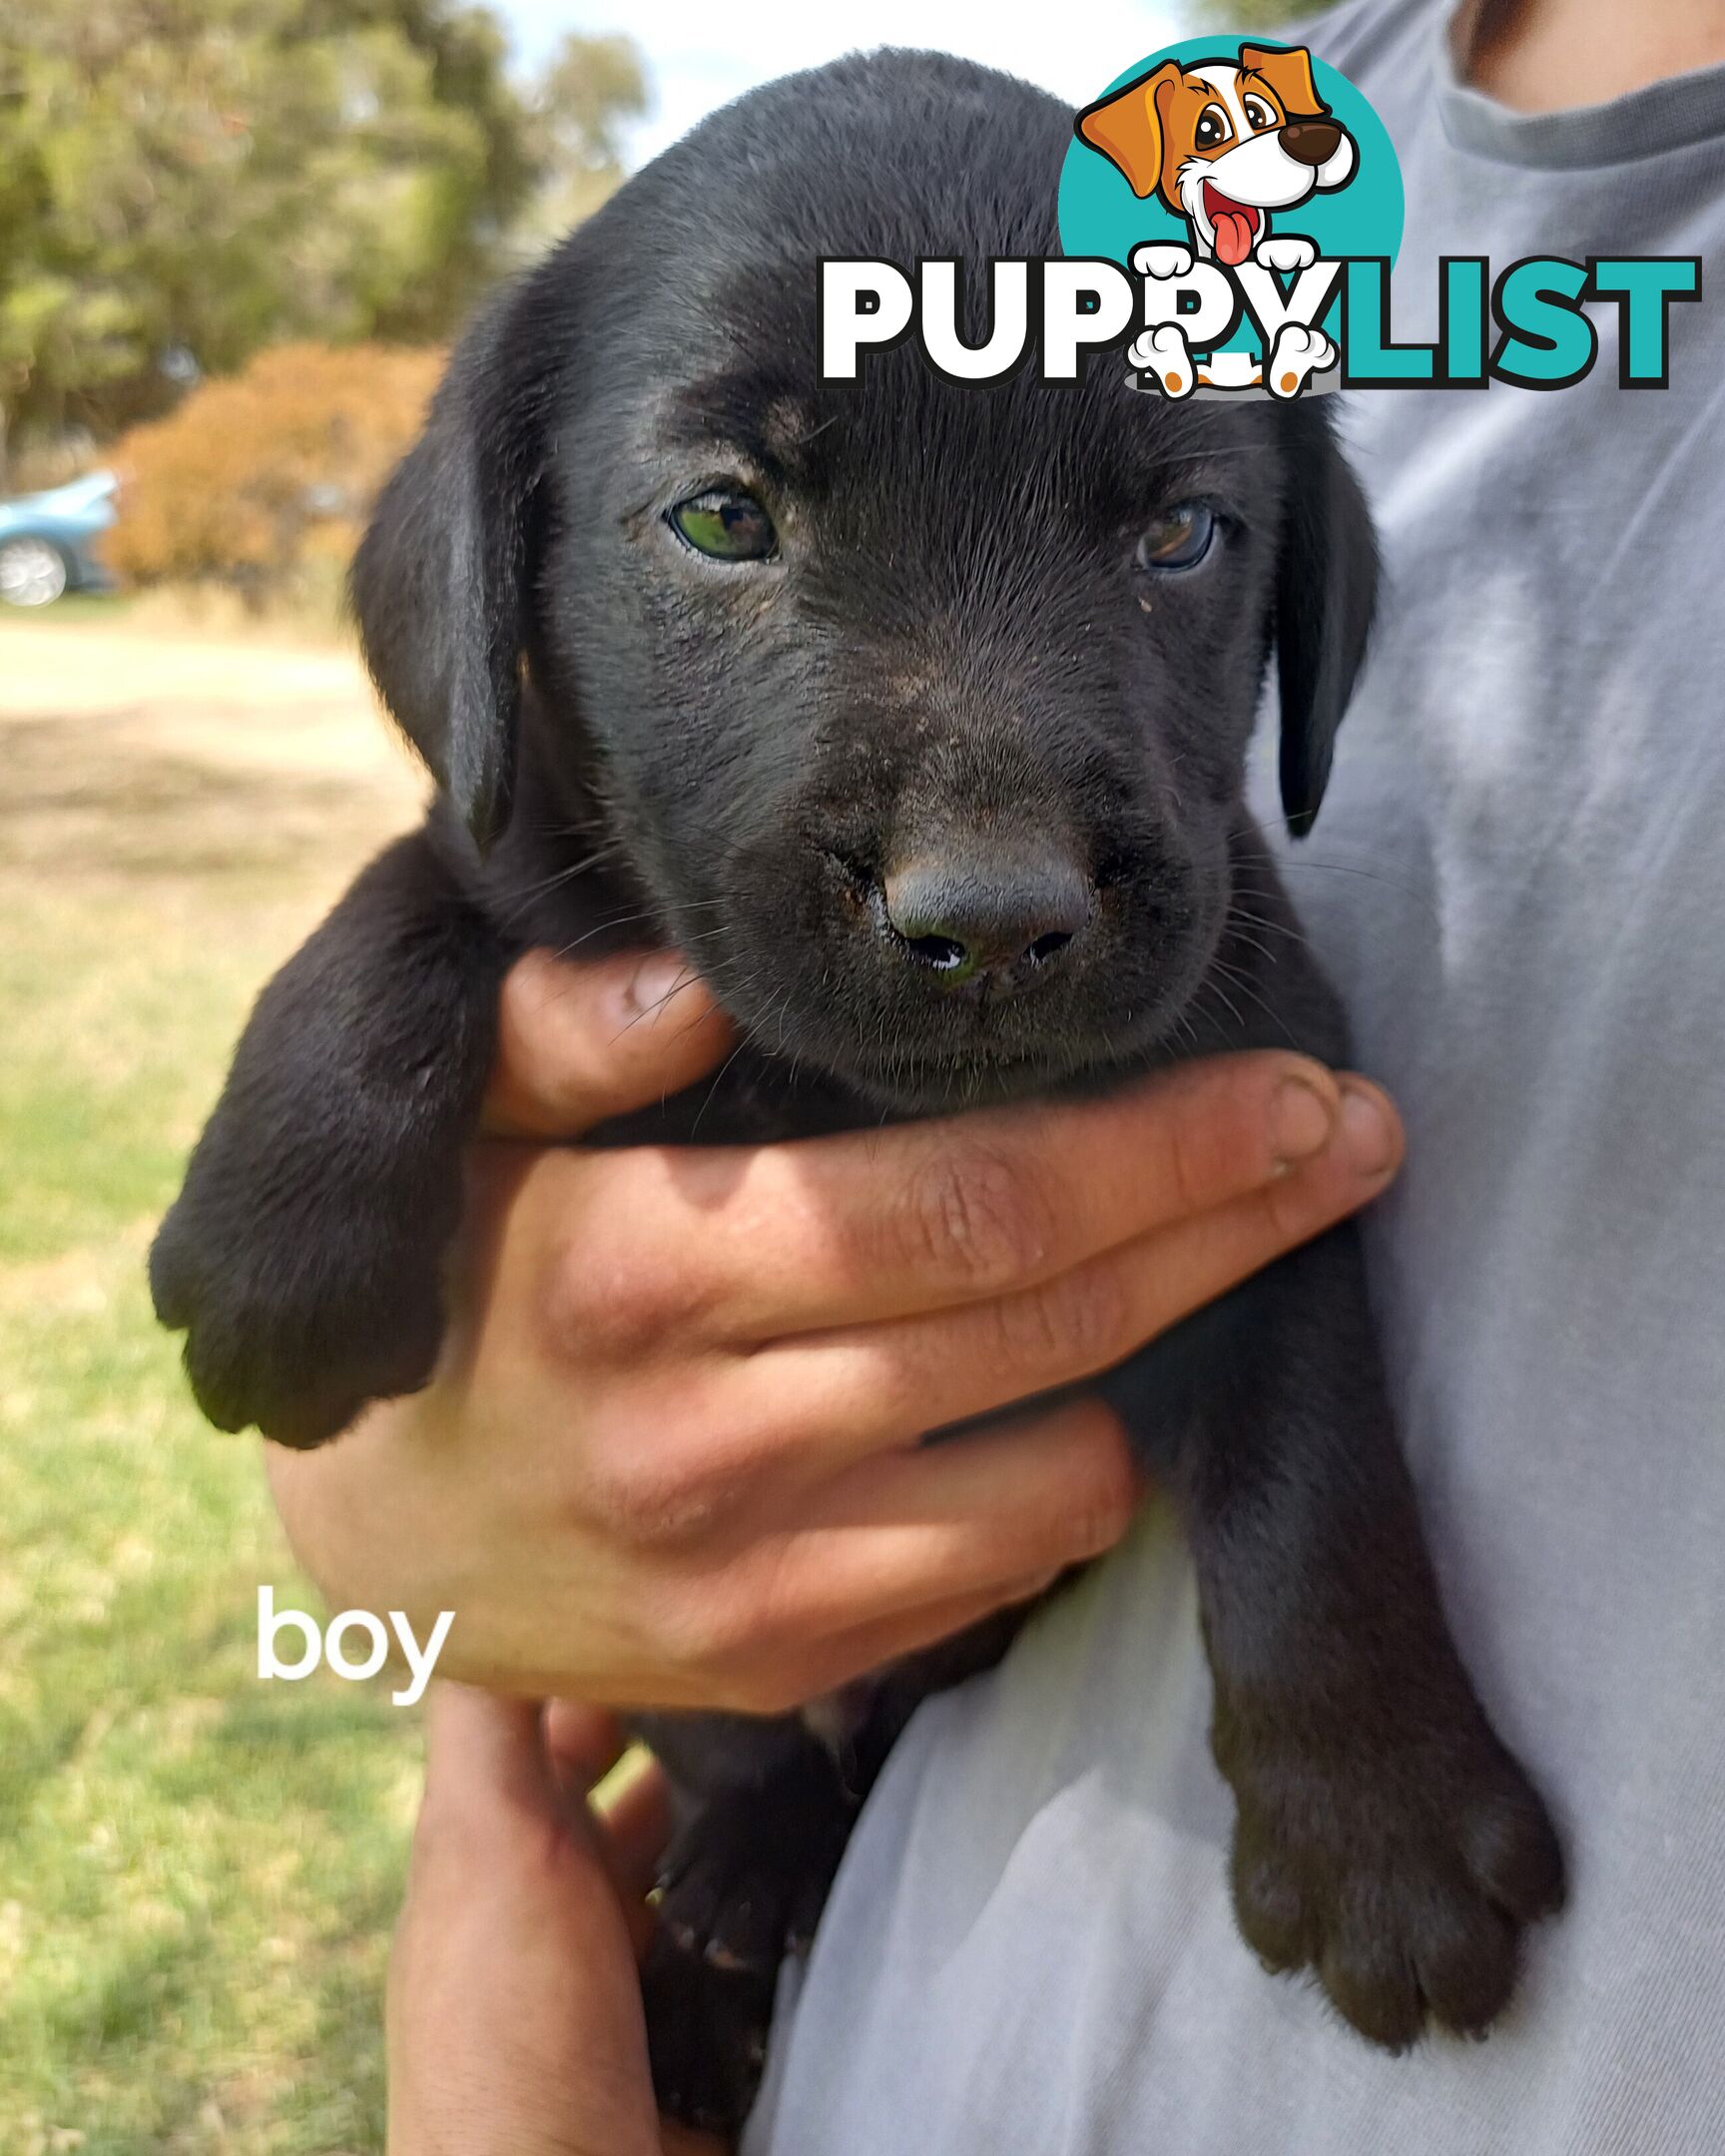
(1163, 357)
(1162, 259)
(1296, 356)
(1286, 252)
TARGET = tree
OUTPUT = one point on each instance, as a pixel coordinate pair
(183, 182)
(1250, 15)
(589, 87)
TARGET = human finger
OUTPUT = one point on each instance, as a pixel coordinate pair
(751, 1243)
(870, 1388)
(578, 1043)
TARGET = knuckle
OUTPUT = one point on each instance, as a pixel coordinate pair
(1202, 1138)
(652, 1483)
(618, 1306)
(568, 1285)
(1293, 1209)
(1110, 1495)
(1078, 1504)
(1094, 1512)
(975, 1219)
(1074, 1323)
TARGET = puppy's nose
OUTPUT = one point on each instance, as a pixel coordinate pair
(994, 916)
(1311, 142)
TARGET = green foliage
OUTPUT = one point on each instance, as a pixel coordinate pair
(1247, 15)
(185, 181)
(589, 86)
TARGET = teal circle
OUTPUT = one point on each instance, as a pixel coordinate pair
(1100, 215)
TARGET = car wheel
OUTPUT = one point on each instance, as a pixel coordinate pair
(32, 573)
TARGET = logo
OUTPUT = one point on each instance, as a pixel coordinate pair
(1230, 213)
(1217, 174)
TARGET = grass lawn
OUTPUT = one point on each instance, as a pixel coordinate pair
(196, 1870)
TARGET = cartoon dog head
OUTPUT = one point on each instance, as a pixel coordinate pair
(1223, 142)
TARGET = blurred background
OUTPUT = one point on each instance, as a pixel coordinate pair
(236, 236)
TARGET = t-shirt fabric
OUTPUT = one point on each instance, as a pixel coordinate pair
(1518, 884)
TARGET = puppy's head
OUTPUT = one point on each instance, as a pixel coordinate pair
(1223, 142)
(917, 711)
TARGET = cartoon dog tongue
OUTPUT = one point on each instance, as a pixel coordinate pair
(1234, 227)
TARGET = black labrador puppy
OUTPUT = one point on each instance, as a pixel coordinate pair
(916, 713)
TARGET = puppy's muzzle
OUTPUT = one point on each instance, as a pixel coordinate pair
(1311, 142)
(990, 920)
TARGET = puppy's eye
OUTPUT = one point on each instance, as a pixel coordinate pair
(1179, 539)
(730, 526)
(1212, 128)
(1258, 114)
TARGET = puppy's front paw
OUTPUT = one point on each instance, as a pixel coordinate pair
(1403, 1883)
(1163, 358)
(295, 1315)
(1161, 258)
(741, 1887)
(708, 2018)
(1297, 355)
(1285, 250)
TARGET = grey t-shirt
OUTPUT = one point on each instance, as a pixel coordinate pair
(1518, 882)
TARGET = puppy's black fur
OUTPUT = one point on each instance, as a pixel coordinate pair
(954, 656)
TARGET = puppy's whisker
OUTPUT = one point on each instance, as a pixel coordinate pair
(1213, 986)
(1246, 989)
(520, 892)
(815, 433)
(1243, 935)
(652, 1010)
(1281, 862)
(1290, 933)
(627, 920)
(712, 1090)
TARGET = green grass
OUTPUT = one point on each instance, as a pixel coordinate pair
(196, 1870)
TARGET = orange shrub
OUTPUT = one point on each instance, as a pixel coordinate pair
(263, 480)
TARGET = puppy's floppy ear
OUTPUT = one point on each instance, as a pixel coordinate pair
(1288, 71)
(1127, 128)
(1325, 597)
(439, 582)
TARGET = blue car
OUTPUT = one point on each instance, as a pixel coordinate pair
(48, 541)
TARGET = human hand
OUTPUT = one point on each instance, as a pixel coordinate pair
(515, 2018)
(671, 1454)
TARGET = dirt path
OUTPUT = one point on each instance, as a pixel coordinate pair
(129, 751)
(281, 707)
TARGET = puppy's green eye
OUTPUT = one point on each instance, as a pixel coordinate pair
(730, 526)
(1179, 539)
